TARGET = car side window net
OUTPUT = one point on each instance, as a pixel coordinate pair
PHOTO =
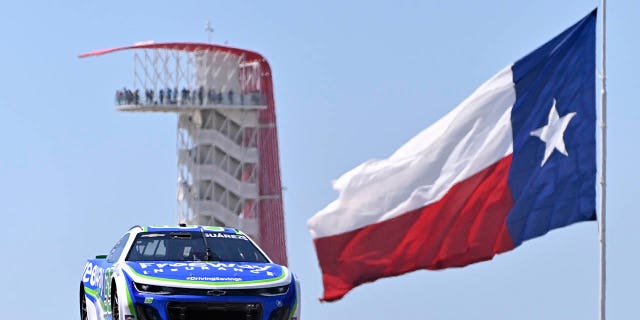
(117, 249)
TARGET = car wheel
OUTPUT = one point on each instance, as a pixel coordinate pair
(83, 304)
(115, 308)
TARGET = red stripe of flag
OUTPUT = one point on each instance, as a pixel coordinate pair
(467, 225)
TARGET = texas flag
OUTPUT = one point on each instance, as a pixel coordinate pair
(513, 161)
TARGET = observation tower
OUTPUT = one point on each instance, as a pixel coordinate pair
(228, 165)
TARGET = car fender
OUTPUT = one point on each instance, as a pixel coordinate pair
(93, 313)
(122, 281)
(297, 305)
(93, 282)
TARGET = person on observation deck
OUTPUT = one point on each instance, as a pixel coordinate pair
(201, 95)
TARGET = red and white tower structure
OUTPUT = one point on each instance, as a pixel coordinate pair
(228, 166)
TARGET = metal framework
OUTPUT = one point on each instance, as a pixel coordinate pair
(228, 166)
(171, 80)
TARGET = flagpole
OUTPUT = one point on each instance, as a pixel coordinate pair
(603, 167)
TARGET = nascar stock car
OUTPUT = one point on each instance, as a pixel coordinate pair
(187, 273)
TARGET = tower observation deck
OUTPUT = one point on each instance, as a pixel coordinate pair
(228, 165)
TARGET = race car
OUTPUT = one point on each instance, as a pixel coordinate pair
(187, 273)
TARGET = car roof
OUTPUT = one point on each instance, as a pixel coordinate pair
(187, 228)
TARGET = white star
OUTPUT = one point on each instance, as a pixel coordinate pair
(553, 133)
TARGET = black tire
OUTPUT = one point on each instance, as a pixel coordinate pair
(83, 304)
(115, 308)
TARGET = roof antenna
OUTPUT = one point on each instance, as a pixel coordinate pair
(209, 30)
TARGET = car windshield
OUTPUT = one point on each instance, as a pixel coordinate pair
(192, 246)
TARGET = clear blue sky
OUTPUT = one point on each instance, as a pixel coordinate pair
(353, 80)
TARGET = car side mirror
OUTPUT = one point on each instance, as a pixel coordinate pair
(102, 256)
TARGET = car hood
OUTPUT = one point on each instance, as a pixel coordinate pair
(208, 274)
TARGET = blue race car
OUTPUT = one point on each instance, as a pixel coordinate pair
(187, 273)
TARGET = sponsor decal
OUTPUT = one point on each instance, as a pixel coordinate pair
(98, 279)
(93, 274)
(155, 268)
(225, 235)
(214, 279)
(236, 273)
